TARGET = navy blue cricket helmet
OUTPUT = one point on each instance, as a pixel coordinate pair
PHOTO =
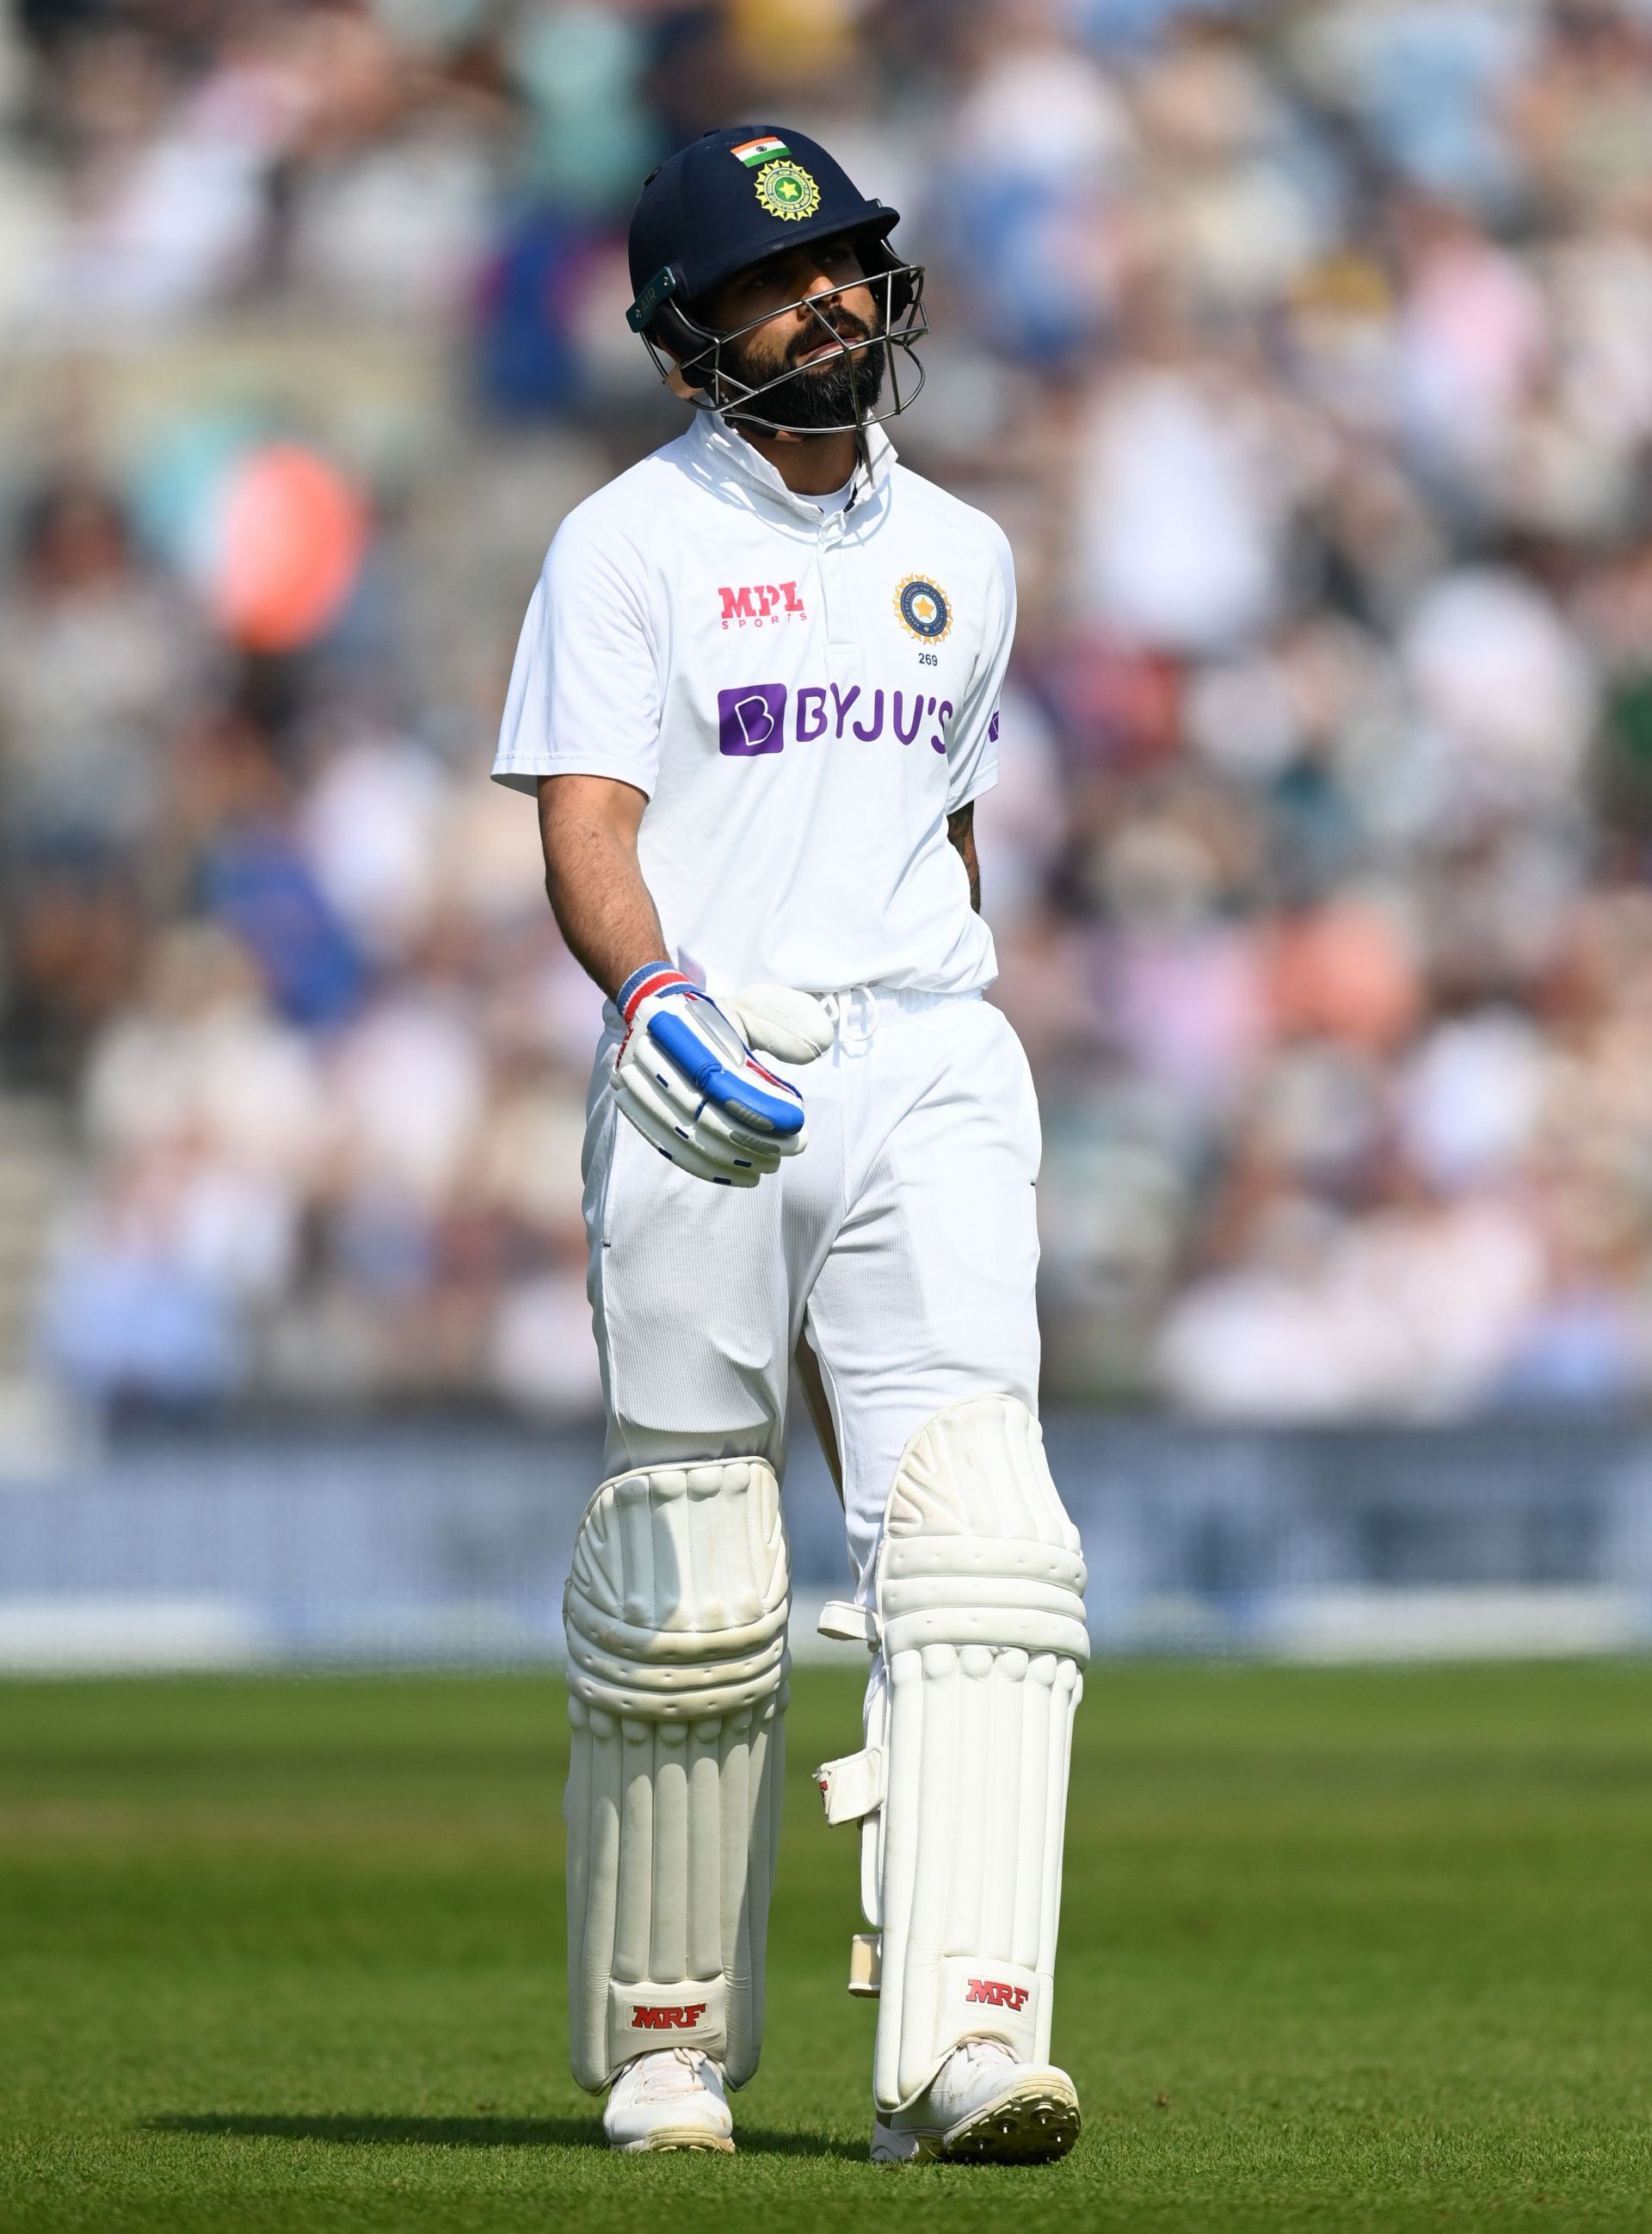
(732, 198)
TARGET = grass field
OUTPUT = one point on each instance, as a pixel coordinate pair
(1341, 1951)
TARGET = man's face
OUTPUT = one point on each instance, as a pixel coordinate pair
(827, 382)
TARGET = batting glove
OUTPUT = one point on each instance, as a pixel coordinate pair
(692, 1087)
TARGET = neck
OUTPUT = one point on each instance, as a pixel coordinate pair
(810, 465)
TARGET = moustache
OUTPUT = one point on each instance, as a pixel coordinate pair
(846, 328)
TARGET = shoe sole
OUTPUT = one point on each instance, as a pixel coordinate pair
(684, 2138)
(1035, 2121)
(1032, 2124)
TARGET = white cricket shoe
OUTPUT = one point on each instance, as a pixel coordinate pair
(670, 2098)
(983, 2107)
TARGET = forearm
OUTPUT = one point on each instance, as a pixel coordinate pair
(594, 880)
(960, 829)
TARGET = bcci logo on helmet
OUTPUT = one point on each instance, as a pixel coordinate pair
(786, 190)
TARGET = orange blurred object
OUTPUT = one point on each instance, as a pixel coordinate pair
(1344, 972)
(293, 532)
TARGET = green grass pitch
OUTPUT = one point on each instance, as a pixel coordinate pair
(1342, 1949)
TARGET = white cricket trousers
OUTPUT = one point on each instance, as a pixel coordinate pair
(903, 1241)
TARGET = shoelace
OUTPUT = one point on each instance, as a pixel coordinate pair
(672, 2074)
(960, 2068)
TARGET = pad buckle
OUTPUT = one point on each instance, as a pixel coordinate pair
(848, 1624)
(853, 1787)
(866, 1964)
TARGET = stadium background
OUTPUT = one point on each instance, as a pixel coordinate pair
(1305, 352)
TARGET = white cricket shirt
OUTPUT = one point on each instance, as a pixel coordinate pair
(804, 696)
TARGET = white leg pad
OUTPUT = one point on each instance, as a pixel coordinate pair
(676, 1614)
(980, 1603)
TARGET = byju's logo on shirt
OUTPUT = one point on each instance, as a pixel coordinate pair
(757, 602)
(752, 719)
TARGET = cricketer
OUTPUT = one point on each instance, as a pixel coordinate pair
(756, 696)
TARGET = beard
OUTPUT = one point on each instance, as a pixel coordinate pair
(840, 391)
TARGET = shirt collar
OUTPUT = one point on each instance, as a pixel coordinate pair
(728, 459)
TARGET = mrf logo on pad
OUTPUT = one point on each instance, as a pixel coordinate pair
(682, 2018)
(997, 1993)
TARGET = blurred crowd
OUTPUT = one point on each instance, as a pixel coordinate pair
(1305, 352)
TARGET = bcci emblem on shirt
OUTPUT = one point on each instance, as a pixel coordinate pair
(923, 608)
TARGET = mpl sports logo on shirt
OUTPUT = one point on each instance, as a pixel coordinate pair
(752, 719)
(756, 603)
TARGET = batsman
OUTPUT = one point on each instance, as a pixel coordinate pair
(756, 696)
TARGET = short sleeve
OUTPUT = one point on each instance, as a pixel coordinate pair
(585, 695)
(972, 744)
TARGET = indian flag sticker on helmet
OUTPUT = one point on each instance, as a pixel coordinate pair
(787, 190)
(751, 153)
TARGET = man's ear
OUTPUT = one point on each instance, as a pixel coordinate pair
(675, 381)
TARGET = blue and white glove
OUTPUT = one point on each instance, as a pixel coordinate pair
(690, 1084)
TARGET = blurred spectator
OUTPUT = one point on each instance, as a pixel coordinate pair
(1307, 356)
(99, 656)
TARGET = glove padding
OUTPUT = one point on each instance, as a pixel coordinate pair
(690, 1084)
